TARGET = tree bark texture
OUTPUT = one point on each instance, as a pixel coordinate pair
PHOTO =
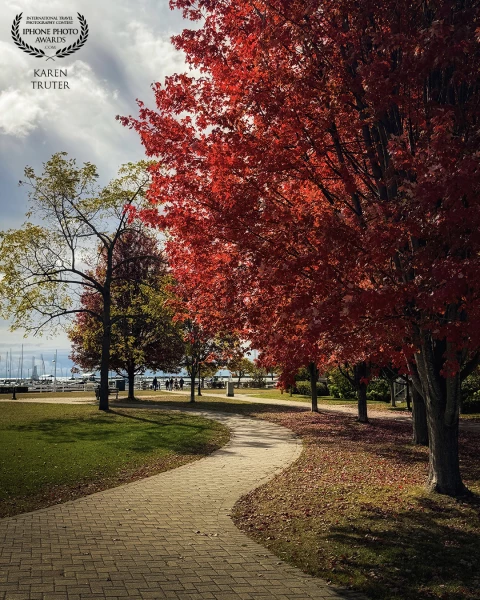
(360, 372)
(193, 375)
(419, 418)
(199, 388)
(105, 360)
(131, 382)
(312, 369)
(391, 386)
(442, 399)
(407, 394)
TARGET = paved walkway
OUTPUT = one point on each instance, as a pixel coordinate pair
(165, 537)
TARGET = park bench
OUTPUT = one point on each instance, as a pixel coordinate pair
(112, 391)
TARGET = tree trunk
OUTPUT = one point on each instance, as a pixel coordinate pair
(442, 399)
(419, 417)
(193, 375)
(105, 360)
(312, 369)
(407, 394)
(362, 403)
(131, 382)
(444, 469)
(360, 373)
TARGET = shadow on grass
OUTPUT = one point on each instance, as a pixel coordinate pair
(238, 407)
(405, 554)
(169, 432)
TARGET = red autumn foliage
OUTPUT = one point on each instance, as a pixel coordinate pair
(320, 179)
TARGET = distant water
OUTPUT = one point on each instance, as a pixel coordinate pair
(44, 360)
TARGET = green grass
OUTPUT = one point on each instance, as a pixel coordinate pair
(29, 395)
(52, 452)
(66, 395)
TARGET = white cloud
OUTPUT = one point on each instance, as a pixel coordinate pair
(151, 51)
(19, 116)
(128, 49)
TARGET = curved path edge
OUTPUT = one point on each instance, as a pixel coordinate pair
(165, 537)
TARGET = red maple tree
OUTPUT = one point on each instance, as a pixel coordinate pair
(143, 334)
(321, 179)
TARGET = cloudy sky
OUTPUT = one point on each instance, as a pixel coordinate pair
(128, 49)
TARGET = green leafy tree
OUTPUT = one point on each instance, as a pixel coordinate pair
(206, 352)
(258, 376)
(48, 264)
(339, 385)
(240, 367)
(471, 393)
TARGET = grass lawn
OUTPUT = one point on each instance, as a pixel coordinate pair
(52, 453)
(271, 394)
(29, 395)
(74, 394)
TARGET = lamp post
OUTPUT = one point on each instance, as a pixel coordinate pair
(55, 373)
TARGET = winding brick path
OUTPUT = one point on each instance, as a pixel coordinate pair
(165, 537)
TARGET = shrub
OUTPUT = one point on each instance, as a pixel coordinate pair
(304, 387)
(471, 405)
(302, 375)
(340, 384)
(377, 396)
(470, 402)
(378, 390)
(334, 390)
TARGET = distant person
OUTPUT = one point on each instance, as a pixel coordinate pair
(167, 384)
(155, 384)
(181, 383)
(171, 384)
(175, 384)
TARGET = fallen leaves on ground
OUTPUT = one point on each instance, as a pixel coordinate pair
(354, 511)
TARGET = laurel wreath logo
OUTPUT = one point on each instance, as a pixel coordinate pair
(38, 52)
